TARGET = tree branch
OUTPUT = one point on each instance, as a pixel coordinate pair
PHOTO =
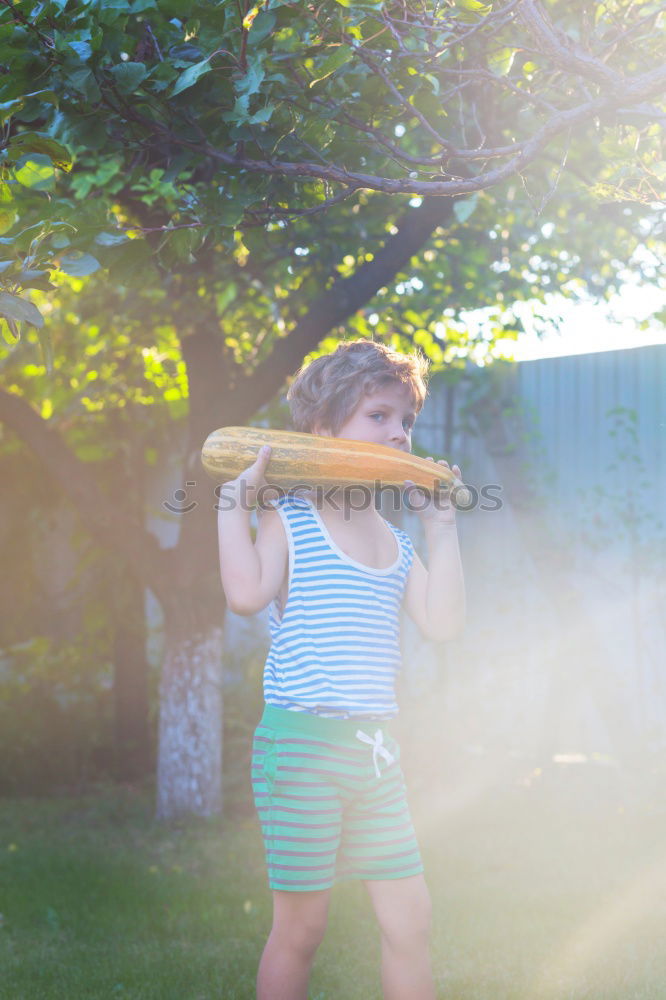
(563, 50)
(634, 90)
(333, 307)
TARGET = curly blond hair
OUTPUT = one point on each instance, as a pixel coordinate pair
(326, 392)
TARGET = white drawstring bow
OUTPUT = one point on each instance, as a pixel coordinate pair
(378, 748)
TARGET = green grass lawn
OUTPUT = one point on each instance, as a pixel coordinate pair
(546, 886)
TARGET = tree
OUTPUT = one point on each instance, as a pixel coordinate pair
(118, 170)
(213, 117)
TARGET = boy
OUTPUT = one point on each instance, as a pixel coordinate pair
(325, 769)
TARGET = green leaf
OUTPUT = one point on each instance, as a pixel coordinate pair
(251, 82)
(132, 267)
(128, 76)
(162, 76)
(10, 107)
(37, 142)
(501, 61)
(34, 279)
(240, 111)
(473, 6)
(22, 240)
(190, 76)
(83, 49)
(14, 329)
(262, 116)
(8, 218)
(20, 310)
(47, 349)
(179, 244)
(79, 265)
(230, 213)
(463, 209)
(45, 96)
(333, 62)
(84, 81)
(226, 297)
(36, 171)
(263, 26)
(434, 83)
(111, 239)
(59, 241)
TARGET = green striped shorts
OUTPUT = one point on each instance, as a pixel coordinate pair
(331, 800)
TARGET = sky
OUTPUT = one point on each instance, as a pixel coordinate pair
(588, 327)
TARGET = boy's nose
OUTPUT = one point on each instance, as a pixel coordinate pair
(399, 437)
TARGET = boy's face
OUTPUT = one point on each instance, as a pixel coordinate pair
(384, 417)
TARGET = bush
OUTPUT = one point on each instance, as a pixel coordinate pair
(56, 715)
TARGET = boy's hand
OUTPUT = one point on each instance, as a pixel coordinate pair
(436, 509)
(246, 486)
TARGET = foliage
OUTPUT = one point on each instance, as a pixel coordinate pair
(55, 714)
(59, 597)
(111, 352)
(156, 149)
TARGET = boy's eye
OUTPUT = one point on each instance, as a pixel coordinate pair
(407, 420)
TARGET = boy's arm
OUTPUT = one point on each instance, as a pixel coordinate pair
(240, 569)
(251, 573)
(435, 598)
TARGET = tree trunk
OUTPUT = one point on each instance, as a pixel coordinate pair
(189, 760)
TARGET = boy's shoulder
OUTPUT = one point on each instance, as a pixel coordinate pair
(404, 535)
(400, 531)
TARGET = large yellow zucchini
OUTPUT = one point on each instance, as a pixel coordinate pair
(309, 459)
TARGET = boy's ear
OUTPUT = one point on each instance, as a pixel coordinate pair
(321, 431)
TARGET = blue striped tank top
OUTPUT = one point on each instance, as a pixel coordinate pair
(335, 646)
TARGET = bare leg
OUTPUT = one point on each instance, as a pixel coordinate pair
(299, 922)
(402, 906)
